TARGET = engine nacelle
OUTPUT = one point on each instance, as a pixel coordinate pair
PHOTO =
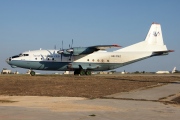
(83, 50)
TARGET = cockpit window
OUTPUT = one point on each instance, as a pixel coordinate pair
(20, 55)
(15, 56)
(26, 54)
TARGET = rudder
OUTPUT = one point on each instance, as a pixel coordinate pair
(154, 36)
(152, 42)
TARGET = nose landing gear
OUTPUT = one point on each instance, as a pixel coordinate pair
(32, 73)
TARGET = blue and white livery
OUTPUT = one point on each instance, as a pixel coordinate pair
(83, 60)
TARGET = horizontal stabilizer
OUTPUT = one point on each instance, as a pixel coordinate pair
(157, 53)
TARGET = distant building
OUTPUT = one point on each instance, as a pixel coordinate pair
(16, 72)
(68, 72)
(5, 71)
(162, 72)
(105, 72)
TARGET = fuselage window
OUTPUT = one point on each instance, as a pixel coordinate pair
(107, 60)
(52, 58)
(20, 55)
(98, 60)
(87, 59)
(41, 58)
(102, 60)
(25, 54)
(93, 60)
(48, 58)
(35, 58)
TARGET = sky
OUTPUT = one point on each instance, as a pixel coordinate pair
(33, 24)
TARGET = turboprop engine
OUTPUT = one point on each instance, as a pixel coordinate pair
(81, 50)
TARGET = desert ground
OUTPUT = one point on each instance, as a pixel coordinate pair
(97, 97)
(79, 86)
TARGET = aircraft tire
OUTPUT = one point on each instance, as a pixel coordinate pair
(32, 73)
(82, 72)
(88, 72)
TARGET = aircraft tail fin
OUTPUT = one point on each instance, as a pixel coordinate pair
(153, 41)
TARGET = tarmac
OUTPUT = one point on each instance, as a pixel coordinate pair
(139, 104)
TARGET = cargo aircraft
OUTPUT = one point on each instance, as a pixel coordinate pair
(83, 60)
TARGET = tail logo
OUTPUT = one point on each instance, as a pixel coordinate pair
(156, 34)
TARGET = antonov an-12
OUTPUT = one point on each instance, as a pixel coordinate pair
(83, 60)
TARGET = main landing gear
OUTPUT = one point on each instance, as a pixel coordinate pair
(82, 72)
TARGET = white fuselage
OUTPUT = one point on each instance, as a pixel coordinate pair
(51, 60)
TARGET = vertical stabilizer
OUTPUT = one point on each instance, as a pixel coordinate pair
(154, 36)
(152, 42)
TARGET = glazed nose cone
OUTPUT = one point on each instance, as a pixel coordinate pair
(8, 60)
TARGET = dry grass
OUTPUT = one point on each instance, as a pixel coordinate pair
(76, 86)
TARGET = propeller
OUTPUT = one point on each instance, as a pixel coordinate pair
(70, 50)
(72, 43)
(61, 51)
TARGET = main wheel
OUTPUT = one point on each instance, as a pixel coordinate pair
(82, 72)
(88, 72)
(32, 73)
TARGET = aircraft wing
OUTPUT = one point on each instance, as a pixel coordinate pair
(88, 50)
(103, 47)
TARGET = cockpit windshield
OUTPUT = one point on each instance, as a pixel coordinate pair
(15, 56)
(20, 55)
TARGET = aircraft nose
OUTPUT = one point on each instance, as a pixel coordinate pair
(8, 60)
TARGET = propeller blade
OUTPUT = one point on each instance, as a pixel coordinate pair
(72, 43)
(62, 44)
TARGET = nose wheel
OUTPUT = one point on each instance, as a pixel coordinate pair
(32, 73)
